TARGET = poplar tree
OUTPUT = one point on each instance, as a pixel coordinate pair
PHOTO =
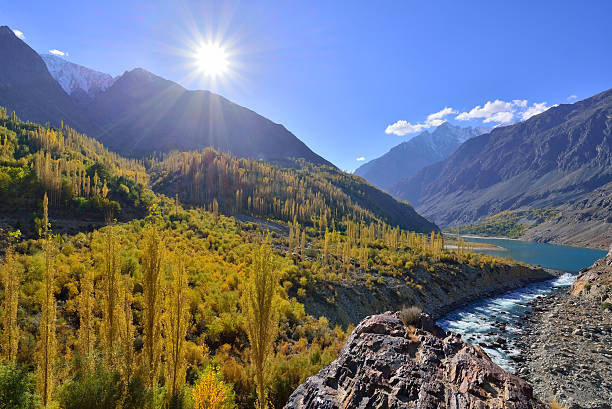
(126, 330)
(259, 305)
(111, 311)
(152, 293)
(85, 333)
(46, 330)
(176, 324)
(11, 278)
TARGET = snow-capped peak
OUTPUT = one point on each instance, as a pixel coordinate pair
(75, 78)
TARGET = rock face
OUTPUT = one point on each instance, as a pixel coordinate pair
(566, 347)
(548, 160)
(586, 222)
(387, 365)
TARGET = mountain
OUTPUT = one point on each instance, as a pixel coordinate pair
(407, 158)
(585, 222)
(548, 160)
(140, 113)
(81, 83)
(143, 113)
(27, 88)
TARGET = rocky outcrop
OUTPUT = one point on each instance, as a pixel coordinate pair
(566, 347)
(385, 364)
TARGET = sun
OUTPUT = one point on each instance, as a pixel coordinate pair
(211, 59)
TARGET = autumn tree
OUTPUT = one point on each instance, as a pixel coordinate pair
(152, 257)
(176, 323)
(111, 293)
(46, 330)
(10, 275)
(85, 334)
(259, 304)
(211, 392)
(126, 330)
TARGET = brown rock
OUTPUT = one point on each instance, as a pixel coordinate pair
(386, 365)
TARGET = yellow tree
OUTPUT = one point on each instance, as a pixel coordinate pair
(46, 331)
(126, 330)
(152, 293)
(111, 311)
(259, 304)
(176, 322)
(85, 334)
(212, 393)
(10, 273)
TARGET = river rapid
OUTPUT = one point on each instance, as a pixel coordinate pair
(496, 323)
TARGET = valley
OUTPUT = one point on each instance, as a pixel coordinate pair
(242, 205)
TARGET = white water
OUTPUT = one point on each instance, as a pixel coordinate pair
(482, 322)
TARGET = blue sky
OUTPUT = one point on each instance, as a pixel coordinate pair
(343, 76)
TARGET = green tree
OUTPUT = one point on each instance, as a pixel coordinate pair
(260, 308)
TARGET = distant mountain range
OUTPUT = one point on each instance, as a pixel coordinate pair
(551, 159)
(407, 158)
(138, 113)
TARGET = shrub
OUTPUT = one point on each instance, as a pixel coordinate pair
(556, 405)
(410, 315)
(16, 388)
(211, 392)
(606, 306)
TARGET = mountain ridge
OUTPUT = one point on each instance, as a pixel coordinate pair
(548, 160)
(407, 158)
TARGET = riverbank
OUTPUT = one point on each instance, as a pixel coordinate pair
(566, 346)
(437, 292)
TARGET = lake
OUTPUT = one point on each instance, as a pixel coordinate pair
(495, 323)
(555, 256)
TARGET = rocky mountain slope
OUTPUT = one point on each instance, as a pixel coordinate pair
(27, 88)
(566, 347)
(143, 113)
(585, 222)
(548, 160)
(81, 83)
(140, 113)
(386, 364)
(407, 158)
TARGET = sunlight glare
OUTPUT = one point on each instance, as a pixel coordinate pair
(212, 59)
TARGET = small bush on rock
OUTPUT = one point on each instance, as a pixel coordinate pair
(410, 315)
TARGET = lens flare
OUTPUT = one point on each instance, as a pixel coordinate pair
(212, 59)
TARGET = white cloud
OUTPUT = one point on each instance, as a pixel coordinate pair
(572, 97)
(535, 109)
(360, 159)
(403, 127)
(58, 52)
(501, 117)
(491, 111)
(19, 34)
(497, 113)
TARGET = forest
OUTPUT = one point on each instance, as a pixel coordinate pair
(170, 302)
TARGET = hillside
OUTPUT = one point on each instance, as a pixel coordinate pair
(407, 158)
(27, 88)
(548, 160)
(142, 113)
(314, 195)
(585, 222)
(84, 181)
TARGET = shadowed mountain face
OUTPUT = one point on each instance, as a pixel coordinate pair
(27, 88)
(407, 158)
(550, 159)
(140, 113)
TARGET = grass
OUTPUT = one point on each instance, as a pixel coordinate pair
(410, 315)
